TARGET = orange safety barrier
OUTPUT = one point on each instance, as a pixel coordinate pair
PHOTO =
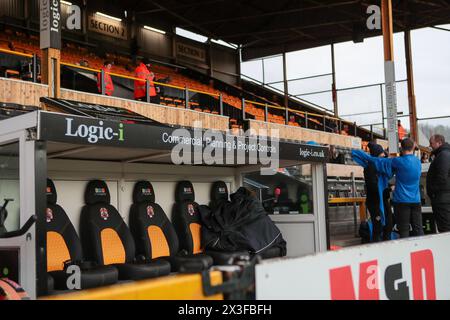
(360, 201)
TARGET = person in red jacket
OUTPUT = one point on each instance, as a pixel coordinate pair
(401, 131)
(109, 85)
(140, 86)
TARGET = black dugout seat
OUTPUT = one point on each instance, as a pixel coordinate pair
(154, 234)
(186, 218)
(219, 195)
(64, 248)
(108, 241)
(187, 223)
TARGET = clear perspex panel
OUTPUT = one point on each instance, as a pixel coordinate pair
(9, 187)
(289, 191)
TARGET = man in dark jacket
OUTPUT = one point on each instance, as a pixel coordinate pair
(373, 199)
(438, 182)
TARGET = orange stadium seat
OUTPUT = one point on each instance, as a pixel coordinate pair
(73, 53)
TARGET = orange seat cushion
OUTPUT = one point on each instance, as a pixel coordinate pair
(196, 239)
(57, 251)
(158, 241)
(112, 247)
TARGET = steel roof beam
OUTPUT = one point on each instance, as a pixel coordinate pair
(268, 14)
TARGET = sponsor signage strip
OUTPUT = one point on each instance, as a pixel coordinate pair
(50, 24)
(391, 106)
(108, 27)
(190, 52)
(92, 131)
(409, 269)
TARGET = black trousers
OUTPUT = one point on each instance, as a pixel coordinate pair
(441, 212)
(155, 99)
(406, 215)
(380, 232)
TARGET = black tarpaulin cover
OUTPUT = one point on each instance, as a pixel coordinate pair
(239, 224)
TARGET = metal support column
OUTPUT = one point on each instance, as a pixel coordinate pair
(210, 61)
(186, 97)
(355, 214)
(333, 85)
(147, 91)
(221, 104)
(243, 108)
(103, 83)
(238, 65)
(263, 72)
(411, 91)
(26, 13)
(35, 68)
(286, 89)
(266, 113)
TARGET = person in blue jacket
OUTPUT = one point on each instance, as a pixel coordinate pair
(377, 196)
(406, 197)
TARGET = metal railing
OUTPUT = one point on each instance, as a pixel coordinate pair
(445, 129)
(310, 119)
(34, 72)
(294, 97)
(184, 93)
(380, 112)
(441, 128)
(307, 119)
(190, 96)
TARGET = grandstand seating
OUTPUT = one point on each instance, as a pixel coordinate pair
(78, 55)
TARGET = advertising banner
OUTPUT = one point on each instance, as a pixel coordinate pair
(242, 149)
(407, 269)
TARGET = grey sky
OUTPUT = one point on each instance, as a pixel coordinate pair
(362, 64)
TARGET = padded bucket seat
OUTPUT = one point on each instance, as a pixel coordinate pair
(187, 223)
(155, 235)
(186, 218)
(107, 239)
(64, 247)
(219, 194)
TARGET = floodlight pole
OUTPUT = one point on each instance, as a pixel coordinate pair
(389, 74)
